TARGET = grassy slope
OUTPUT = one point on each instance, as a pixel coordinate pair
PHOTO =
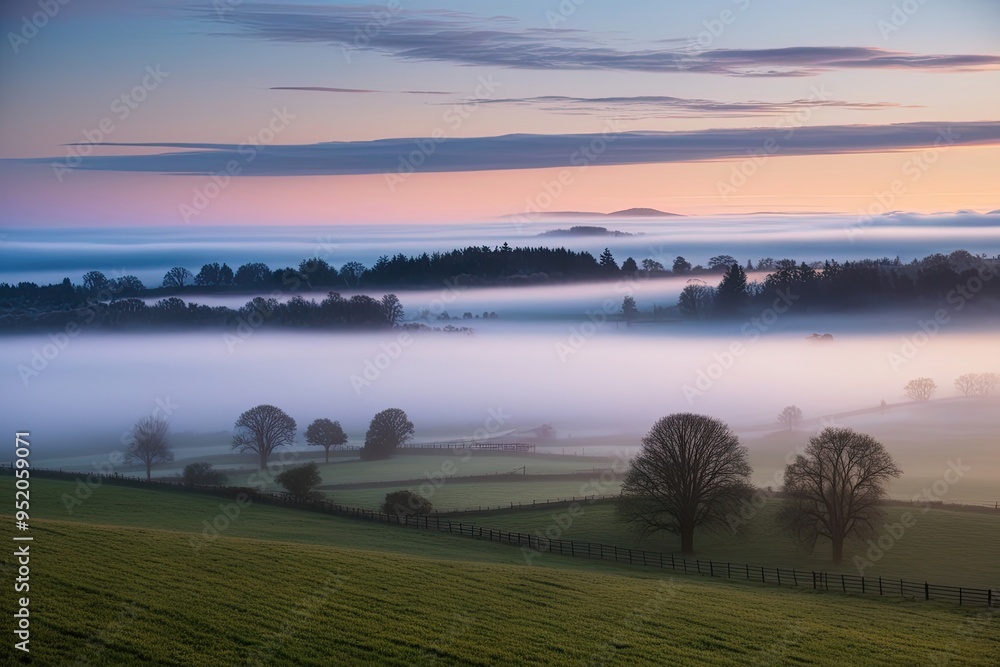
(125, 595)
(943, 547)
(109, 595)
(458, 495)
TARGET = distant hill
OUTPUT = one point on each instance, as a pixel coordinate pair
(582, 230)
(626, 213)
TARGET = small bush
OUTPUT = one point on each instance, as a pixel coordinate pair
(203, 474)
(406, 503)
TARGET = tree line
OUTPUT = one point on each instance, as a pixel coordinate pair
(954, 279)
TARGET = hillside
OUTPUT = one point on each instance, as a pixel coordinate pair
(366, 593)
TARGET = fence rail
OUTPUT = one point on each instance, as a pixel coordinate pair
(532, 544)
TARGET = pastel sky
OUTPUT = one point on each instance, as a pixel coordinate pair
(175, 112)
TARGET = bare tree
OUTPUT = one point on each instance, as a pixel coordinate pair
(836, 487)
(790, 417)
(177, 277)
(967, 384)
(920, 389)
(691, 471)
(149, 443)
(262, 430)
(326, 434)
(977, 384)
(987, 383)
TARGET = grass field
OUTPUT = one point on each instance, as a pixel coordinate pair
(289, 587)
(943, 547)
(459, 495)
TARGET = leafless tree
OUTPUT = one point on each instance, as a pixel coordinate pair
(836, 487)
(149, 443)
(920, 389)
(262, 430)
(177, 277)
(977, 384)
(691, 471)
(790, 417)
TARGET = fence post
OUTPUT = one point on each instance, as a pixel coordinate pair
(748, 572)
(762, 579)
(729, 573)
(862, 583)
(673, 566)
(989, 597)
(959, 596)
(927, 591)
(814, 579)
(880, 585)
(697, 565)
(711, 568)
(777, 571)
(843, 583)
(795, 579)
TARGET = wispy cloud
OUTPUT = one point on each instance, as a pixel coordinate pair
(324, 89)
(531, 151)
(659, 106)
(468, 39)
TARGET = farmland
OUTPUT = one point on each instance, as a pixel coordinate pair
(282, 586)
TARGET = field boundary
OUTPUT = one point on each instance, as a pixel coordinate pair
(533, 546)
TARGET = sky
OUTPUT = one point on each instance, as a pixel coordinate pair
(235, 112)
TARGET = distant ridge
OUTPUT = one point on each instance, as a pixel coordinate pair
(581, 230)
(626, 213)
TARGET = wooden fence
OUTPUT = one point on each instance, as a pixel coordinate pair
(533, 544)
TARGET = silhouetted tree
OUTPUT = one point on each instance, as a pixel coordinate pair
(651, 265)
(318, 272)
(351, 273)
(406, 503)
(255, 274)
(721, 262)
(326, 434)
(696, 300)
(681, 265)
(608, 263)
(731, 295)
(149, 443)
(388, 430)
(127, 286)
(629, 267)
(262, 430)
(95, 281)
(920, 389)
(177, 277)
(392, 310)
(691, 471)
(301, 481)
(629, 309)
(203, 474)
(835, 489)
(790, 417)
